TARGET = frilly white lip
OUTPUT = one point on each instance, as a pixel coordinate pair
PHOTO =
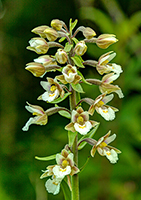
(83, 129)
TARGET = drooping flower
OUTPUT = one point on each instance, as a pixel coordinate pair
(40, 30)
(103, 65)
(80, 122)
(57, 24)
(65, 166)
(69, 75)
(88, 33)
(80, 48)
(107, 87)
(53, 90)
(103, 148)
(39, 45)
(51, 34)
(105, 40)
(61, 56)
(107, 112)
(39, 119)
(37, 69)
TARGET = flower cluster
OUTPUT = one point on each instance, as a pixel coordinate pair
(67, 62)
(65, 167)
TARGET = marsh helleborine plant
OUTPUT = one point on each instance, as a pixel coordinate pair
(68, 62)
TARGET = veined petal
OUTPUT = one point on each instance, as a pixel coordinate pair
(119, 92)
(52, 186)
(108, 98)
(111, 155)
(83, 129)
(61, 172)
(31, 120)
(45, 85)
(107, 113)
(110, 139)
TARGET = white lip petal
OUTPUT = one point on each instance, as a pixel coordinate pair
(111, 155)
(107, 113)
(61, 173)
(83, 130)
(52, 186)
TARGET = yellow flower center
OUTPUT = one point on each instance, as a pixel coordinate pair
(82, 126)
(51, 95)
(69, 71)
(53, 88)
(108, 153)
(103, 144)
(100, 103)
(105, 111)
(80, 119)
(64, 163)
(62, 170)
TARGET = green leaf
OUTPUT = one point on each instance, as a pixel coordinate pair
(71, 137)
(72, 24)
(62, 39)
(65, 114)
(58, 100)
(83, 79)
(78, 61)
(68, 47)
(75, 40)
(52, 157)
(66, 190)
(77, 87)
(89, 135)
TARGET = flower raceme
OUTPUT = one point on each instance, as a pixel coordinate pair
(80, 122)
(39, 119)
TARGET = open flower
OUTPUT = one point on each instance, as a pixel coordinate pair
(80, 122)
(106, 87)
(65, 166)
(69, 75)
(39, 119)
(103, 65)
(107, 112)
(39, 45)
(104, 149)
(53, 90)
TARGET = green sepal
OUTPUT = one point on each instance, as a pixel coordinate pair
(78, 61)
(66, 190)
(68, 47)
(75, 40)
(77, 87)
(58, 100)
(62, 39)
(72, 24)
(52, 157)
(71, 137)
(89, 135)
(83, 79)
(64, 113)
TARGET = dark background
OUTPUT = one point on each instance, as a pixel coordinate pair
(19, 171)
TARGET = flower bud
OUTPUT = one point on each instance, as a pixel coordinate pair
(39, 45)
(46, 60)
(80, 48)
(56, 24)
(105, 40)
(51, 34)
(89, 33)
(61, 56)
(40, 30)
(36, 69)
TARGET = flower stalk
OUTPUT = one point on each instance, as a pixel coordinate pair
(68, 62)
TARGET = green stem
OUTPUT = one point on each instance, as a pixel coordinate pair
(75, 178)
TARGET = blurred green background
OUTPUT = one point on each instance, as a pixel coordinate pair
(19, 171)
